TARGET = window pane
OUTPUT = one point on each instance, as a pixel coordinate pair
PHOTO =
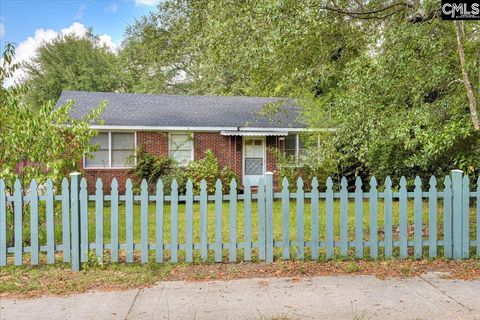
(180, 142)
(120, 158)
(291, 142)
(123, 140)
(99, 159)
(254, 166)
(182, 157)
(101, 139)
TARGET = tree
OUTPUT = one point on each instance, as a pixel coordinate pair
(40, 143)
(71, 63)
(383, 73)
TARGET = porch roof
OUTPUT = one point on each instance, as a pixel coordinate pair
(253, 133)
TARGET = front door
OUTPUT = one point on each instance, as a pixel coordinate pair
(253, 159)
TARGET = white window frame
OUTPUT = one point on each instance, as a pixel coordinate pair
(109, 167)
(192, 155)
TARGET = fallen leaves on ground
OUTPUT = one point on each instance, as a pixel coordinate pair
(29, 282)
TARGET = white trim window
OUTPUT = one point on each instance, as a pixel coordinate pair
(116, 150)
(294, 146)
(180, 148)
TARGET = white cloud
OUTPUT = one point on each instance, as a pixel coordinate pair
(26, 49)
(112, 8)
(2, 30)
(106, 40)
(146, 2)
(80, 12)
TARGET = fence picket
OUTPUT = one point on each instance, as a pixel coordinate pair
(447, 218)
(247, 207)
(329, 239)
(34, 245)
(432, 218)
(403, 218)
(418, 215)
(315, 224)
(218, 221)
(457, 215)
(285, 220)
(203, 221)
(3, 224)
(300, 254)
(83, 221)
(129, 225)
(233, 221)
(261, 219)
(66, 220)
(50, 223)
(99, 219)
(466, 217)
(344, 217)
(388, 218)
(114, 220)
(269, 217)
(358, 218)
(144, 221)
(18, 222)
(189, 222)
(373, 218)
(75, 220)
(174, 222)
(159, 221)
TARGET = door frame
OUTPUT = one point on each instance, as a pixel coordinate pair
(254, 183)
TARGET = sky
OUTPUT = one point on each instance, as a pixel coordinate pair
(28, 23)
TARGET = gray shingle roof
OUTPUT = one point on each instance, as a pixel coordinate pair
(126, 109)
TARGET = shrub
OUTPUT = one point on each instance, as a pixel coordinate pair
(153, 168)
(207, 168)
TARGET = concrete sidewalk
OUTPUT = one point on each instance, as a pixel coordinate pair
(333, 297)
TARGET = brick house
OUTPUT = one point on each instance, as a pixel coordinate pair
(183, 128)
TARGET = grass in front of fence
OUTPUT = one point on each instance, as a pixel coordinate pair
(33, 281)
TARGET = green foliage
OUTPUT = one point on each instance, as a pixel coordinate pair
(208, 169)
(319, 160)
(153, 168)
(71, 63)
(40, 143)
(204, 169)
(388, 81)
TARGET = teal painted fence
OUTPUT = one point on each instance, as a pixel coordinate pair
(427, 221)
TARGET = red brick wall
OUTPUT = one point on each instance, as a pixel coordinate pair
(155, 143)
(228, 149)
(107, 176)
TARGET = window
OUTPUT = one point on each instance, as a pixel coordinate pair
(293, 146)
(115, 150)
(181, 148)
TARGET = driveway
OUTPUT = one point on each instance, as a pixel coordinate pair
(330, 297)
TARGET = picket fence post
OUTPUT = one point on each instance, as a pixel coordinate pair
(269, 216)
(75, 220)
(457, 213)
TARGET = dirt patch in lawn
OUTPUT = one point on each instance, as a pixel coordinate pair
(30, 282)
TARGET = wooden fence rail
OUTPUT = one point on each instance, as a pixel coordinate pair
(267, 233)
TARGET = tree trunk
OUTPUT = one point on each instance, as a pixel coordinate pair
(466, 81)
